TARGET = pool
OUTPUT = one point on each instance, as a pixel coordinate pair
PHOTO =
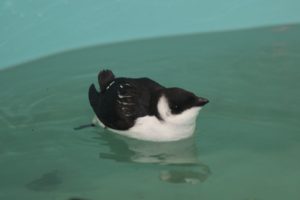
(247, 142)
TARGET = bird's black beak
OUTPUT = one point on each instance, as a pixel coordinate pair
(201, 101)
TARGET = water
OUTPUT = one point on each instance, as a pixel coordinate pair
(246, 146)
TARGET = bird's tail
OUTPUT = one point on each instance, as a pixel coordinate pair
(93, 97)
(84, 126)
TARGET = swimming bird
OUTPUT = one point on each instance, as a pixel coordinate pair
(143, 109)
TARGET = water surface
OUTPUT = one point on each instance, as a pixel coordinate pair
(247, 142)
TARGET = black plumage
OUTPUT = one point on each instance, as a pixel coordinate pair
(122, 100)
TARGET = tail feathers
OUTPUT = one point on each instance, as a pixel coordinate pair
(93, 96)
(105, 77)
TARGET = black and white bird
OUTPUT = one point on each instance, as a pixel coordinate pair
(143, 109)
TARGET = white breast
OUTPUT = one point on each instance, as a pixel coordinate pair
(171, 128)
(152, 129)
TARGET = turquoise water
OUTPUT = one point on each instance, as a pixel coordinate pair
(247, 142)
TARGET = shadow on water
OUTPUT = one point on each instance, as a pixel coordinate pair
(49, 181)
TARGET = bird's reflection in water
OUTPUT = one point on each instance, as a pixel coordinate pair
(180, 159)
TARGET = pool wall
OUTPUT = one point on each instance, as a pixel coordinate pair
(31, 28)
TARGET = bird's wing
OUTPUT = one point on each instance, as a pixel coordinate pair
(132, 101)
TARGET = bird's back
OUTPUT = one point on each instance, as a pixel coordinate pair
(122, 100)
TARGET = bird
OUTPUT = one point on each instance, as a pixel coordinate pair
(143, 109)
